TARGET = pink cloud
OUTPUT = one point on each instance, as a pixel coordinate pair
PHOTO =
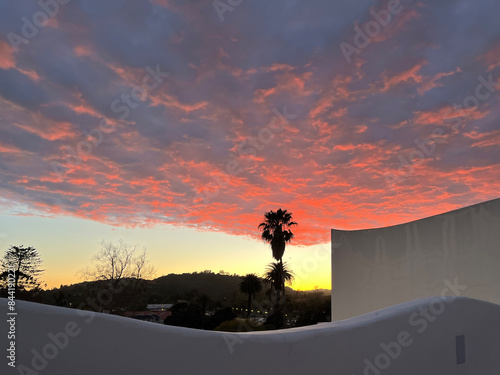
(410, 75)
(7, 59)
(491, 58)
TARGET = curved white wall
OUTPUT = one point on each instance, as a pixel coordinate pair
(398, 340)
(376, 268)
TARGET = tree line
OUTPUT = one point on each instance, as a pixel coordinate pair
(119, 273)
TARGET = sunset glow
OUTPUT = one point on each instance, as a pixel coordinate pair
(175, 126)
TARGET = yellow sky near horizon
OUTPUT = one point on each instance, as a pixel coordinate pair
(67, 245)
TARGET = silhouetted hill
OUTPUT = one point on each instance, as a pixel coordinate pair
(216, 286)
(167, 289)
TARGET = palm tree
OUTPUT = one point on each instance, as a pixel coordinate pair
(250, 285)
(277, 274)
(275, 230)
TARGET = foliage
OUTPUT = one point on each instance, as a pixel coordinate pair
(301, 307)
(276, 319)
(219, 317)
(120, 272)
(191, 315)
(243, 325)
(27, 265)
(312, 308)
(223, 291)
(175, 286)
(116, 261)
(185, 315)
(277, 274)
(276, 231)
(250, 285)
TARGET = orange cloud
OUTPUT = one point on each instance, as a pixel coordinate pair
(491, 58)
(328, 166)
(82, 50)
(8, 149)
(338, 90)
(277, 67)
(169, 101)
(446, 114)
(7, 59)
(30, 73)
(292, 83)
(489, 139)
(47, 129)
(430, 83)
(405, 76)
(399, 22)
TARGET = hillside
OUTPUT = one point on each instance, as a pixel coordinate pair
(216, 286)
(164, 289)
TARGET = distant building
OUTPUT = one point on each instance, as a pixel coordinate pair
(159, 307)
(149, 316)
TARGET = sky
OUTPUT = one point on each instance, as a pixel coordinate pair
(176, 124)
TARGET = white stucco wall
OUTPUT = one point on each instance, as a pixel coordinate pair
(376, 268)
(398, 340)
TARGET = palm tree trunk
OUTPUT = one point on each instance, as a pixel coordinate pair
(282, 282)
(249, 304)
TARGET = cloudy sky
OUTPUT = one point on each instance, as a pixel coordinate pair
(185, 121)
